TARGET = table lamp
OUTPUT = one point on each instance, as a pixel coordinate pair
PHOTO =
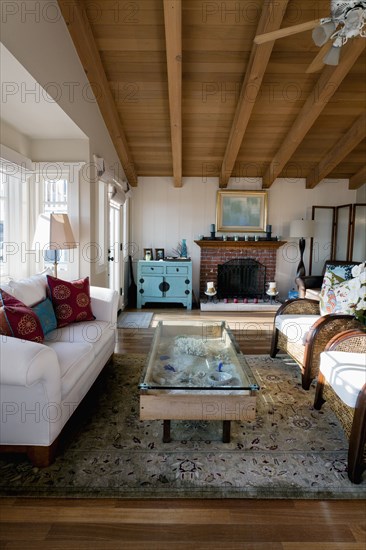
(53, 232)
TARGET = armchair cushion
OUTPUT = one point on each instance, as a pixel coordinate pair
(345, 372)
(295, 327)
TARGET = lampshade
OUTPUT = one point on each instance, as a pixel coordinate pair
(53, 232)
(302, 228)
(322, 33)
(332, 57)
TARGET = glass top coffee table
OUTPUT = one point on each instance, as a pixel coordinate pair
(195, 371)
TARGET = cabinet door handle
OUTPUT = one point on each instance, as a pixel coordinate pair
(141, 281)
(177, 269)
(164, 286)
(187, 281)
(187, 292)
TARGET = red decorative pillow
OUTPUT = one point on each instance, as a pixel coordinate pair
(5, 329)
(23, 322)
(71, 300)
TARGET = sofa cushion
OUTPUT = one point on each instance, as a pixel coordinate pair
(345, 372)
(74, 359)
(23, 322)
(295, 327)
(71, 300)
(46, 315)
(32, 290)
(95, 333)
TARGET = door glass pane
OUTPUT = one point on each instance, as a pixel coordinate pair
(343, 218)
(359, 239)
(322, 241)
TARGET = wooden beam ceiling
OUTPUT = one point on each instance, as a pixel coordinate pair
(185, 92)
(173, 37)
(342, 148)
(358, 179)
(82, 36)
(271, 18)
(323, 91)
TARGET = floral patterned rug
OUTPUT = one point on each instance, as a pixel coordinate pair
(289, 451)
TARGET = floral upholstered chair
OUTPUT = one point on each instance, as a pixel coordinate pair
(303, 327)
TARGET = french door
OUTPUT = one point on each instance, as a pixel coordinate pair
(115, 247)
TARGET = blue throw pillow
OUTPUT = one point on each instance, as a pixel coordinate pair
(46, 315)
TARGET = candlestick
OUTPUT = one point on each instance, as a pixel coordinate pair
(212, 228)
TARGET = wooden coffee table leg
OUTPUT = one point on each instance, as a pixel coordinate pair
(166, 431)
(226, 431)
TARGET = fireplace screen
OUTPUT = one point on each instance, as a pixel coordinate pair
(241, 278)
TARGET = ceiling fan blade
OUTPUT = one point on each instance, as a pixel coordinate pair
(287, 31)
(317, 64)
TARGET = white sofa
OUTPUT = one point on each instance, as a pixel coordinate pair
(41, 385)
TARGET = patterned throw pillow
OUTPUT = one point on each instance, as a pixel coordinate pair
(327, 299)
(23, 322)
(46, 315)
(337, 294)
(71, 300)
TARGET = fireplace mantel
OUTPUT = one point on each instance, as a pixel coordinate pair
(219, 243)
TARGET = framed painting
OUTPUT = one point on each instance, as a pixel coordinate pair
(241, 211)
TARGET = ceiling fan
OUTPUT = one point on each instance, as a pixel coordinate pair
(347, 20)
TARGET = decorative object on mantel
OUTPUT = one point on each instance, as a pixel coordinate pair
(302, 229)
(241, 211)
(213, 230)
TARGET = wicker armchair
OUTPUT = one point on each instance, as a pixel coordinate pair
(318, 332)
(352, 345)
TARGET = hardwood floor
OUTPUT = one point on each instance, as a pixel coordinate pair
(178, 524)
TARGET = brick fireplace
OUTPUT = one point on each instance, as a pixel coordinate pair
(216, 251)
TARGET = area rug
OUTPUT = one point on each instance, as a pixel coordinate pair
(289, 451)
(134, 319)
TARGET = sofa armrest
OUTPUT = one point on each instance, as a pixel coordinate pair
(104, 303)
(23, 363)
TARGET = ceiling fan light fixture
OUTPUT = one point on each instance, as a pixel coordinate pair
(322, 33)
(332, 57)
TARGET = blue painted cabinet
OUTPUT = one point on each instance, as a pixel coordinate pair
(164, 282)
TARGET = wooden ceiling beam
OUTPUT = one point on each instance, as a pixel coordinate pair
(84, 42)
(358, 179)
(329, 81)
(173, 37)
(342, 148)
(270, 20)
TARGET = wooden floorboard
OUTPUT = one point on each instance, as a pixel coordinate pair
(182, 524)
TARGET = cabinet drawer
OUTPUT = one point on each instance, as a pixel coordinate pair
(177, 270)
(152, 270)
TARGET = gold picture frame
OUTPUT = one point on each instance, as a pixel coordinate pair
(241, 211)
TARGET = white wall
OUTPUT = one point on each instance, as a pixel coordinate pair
(162, 215)
(36, 34)
(12, 138)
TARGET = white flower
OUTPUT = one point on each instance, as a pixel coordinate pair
(358, 269)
